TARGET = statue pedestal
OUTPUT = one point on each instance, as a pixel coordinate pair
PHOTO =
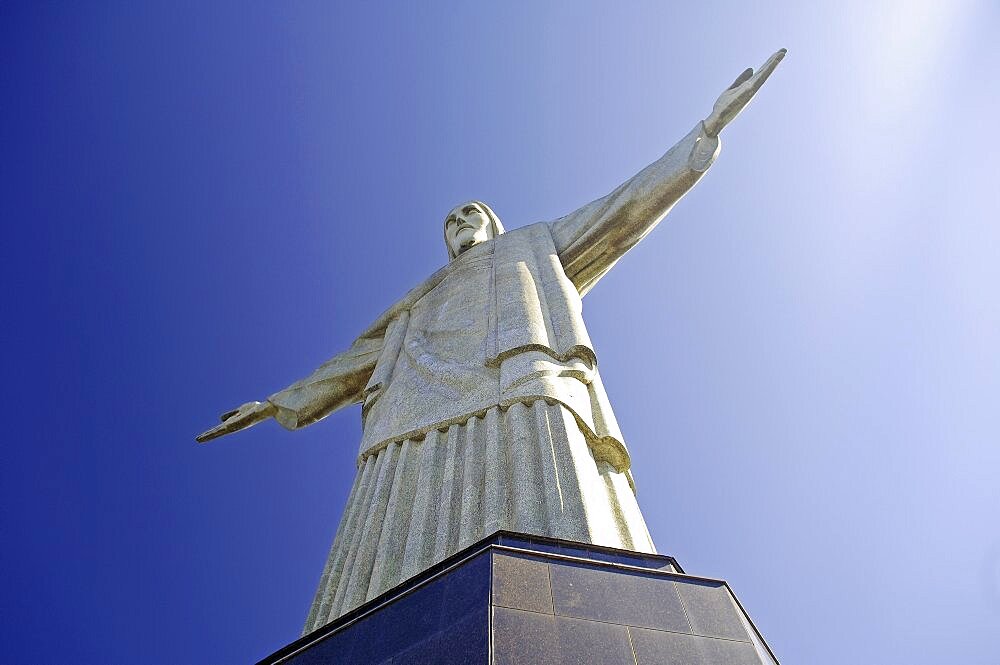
(512, 598)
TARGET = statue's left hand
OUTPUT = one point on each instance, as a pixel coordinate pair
(739, 94)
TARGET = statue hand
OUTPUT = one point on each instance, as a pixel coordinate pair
(249, 414)
(739, 94)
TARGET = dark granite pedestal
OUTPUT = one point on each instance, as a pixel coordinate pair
(512, 598)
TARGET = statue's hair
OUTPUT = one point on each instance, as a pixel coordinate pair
(492, 216)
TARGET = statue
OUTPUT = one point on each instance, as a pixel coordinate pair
(482, 405)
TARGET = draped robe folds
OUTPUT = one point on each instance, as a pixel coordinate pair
(482, 405)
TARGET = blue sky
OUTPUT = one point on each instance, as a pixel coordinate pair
(203, 201)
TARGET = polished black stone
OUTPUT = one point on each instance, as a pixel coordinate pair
(632, 599)
(655, 647)
(513, 599)
(443, 621)
(530, 638)
(521, 582)
(710, 610)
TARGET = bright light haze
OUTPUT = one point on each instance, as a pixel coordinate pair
(199, 201)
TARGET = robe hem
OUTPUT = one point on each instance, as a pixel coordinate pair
(605, 448)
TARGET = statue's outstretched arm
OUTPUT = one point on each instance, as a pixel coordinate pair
(336, 383)
(590, 240)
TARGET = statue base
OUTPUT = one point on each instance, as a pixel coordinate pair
(513, 598)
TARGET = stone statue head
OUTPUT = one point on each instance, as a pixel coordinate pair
(469, 224)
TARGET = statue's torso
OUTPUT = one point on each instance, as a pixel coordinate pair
(442, 372)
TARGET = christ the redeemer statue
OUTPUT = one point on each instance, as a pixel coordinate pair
(482, 405)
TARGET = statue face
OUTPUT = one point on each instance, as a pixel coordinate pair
(466, 225)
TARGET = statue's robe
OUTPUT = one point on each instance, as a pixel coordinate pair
(483, 408)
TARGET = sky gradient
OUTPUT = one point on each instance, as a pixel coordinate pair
(203, 201)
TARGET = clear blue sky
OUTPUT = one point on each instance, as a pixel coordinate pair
(203, 201)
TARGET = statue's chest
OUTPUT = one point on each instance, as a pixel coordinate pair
(453, 318)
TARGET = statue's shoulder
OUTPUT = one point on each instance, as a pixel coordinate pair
(531, 239)
(406, 302)
(531, 230)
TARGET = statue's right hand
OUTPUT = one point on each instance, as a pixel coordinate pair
(248, 414)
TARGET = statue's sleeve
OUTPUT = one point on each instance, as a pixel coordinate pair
(590, 240)
(337, 383)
